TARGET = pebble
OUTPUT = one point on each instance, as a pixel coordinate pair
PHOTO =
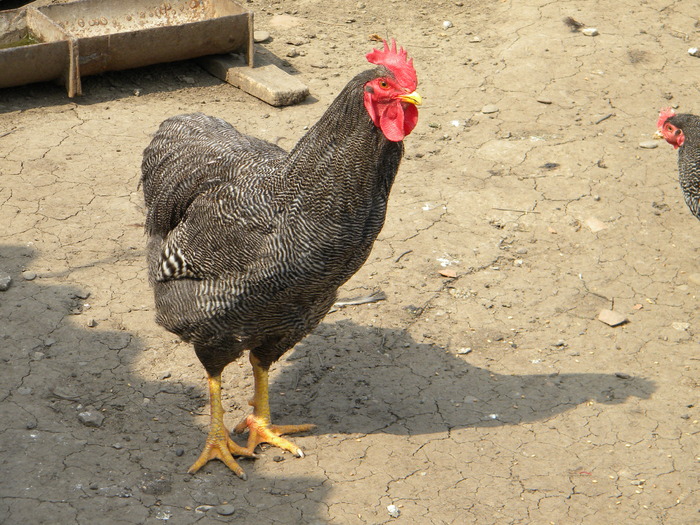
(278, 459)
(475, 39)
(590, 31)
(489, 108)
(91, 323)
(28, 275)
(260, 36)
(31, 425)
(225, 510)
(91, 418)
(5, 281)
(292, 53)
(694, 52)
(649, 144)
(447, 24)
(393, 511)
(165, 375)
(611, 318)
(24, 390)
(179, 451)
(464, 351)
(681, 327)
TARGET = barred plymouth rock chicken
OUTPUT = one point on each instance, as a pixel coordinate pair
(683, 133)
(248, 244)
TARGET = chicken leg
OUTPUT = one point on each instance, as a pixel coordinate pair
(219, 444)
(258, 423)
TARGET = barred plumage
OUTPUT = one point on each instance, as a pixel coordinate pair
(683, 132)
(248, 244)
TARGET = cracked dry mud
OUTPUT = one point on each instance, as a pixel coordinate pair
(552, 417)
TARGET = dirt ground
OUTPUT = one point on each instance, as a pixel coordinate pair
(491, 394)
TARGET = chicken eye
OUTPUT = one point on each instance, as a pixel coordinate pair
(383, 84)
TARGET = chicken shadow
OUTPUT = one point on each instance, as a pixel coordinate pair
(348, 378)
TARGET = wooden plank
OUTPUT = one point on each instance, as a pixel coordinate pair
(265, 81)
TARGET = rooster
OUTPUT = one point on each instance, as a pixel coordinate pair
(683, 133)
(248, 244)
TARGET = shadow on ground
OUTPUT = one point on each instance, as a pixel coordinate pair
(86, 430)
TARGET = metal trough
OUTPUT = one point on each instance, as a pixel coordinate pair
(87, 37)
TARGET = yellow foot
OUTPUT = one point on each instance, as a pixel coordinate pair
(261, 432)
(220, 446)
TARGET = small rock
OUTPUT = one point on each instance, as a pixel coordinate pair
(261, 36)
(475, 39)
(5, 281)
(82, 295)
(179, 452)
(278, 459)
(611, 318)
(165, 375)
(447, 24)
(681, 327)
(649, 144)
(91, 323)
(292, 53)
(489, 108)
(31, 425)
(694, 52)
(24, 390)
(393, 511)
(560, 343)
(464, 351)
(118, 446)
(590, 31)
(93, 486)
(225, 510)
(638, 482)
(91, 418)
(595, 225)
(28, 275)
(187, 80)
(622, 375)
(48, 341)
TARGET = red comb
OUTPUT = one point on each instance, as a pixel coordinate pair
(396, 61)
(664, 115)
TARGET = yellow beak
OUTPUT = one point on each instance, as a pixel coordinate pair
(412, 98)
